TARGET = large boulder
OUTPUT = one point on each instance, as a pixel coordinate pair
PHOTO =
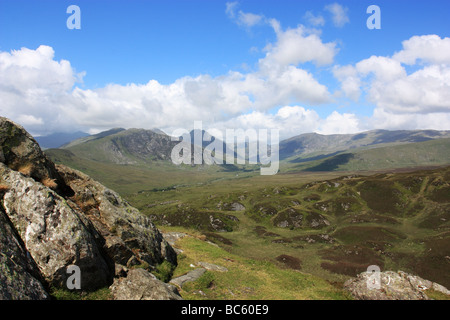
(390, 285)
(139, 284)
(55, 235)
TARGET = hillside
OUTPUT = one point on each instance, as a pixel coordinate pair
(120, 146)
(418, 154)
(311, 146)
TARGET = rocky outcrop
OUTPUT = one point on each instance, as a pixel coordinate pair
(20, 152)
(391, 285)
(53, 217)
(54, 234)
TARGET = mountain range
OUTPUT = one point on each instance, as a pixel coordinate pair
(370, 150)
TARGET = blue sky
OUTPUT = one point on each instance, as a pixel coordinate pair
(148, 63)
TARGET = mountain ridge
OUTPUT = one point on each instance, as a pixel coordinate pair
(141, 146)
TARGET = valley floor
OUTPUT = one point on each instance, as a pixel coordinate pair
(301, 236)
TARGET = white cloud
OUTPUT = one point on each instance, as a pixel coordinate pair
(300, 45)
(410, 121)
(389, 86)
(249, 19)
(350, 81)
(33, 87)
(26, 67)
(424, 91)
(339, 14)
(29, 120)
(289, 120)
(337, 123)
(429, 48)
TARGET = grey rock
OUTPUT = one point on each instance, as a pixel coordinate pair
(139, 284)
(188, 277)
(173, 237)
(233, 206)
(236, 206)
(20, 278)
(212, 266)
(55, 235)
(391, 286)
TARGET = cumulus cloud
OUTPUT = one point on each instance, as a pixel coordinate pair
(34, 87)
(409, 121)
(337, 123)
(393, 90)
(300, 45)
(428, 48)
(350, 81)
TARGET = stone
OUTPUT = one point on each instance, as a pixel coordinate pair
(173, 237)
(211, 266)
(236, 206)
(140, 284)
(392, 286)
(188, 277)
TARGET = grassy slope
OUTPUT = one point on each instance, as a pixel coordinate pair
(248, 279)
